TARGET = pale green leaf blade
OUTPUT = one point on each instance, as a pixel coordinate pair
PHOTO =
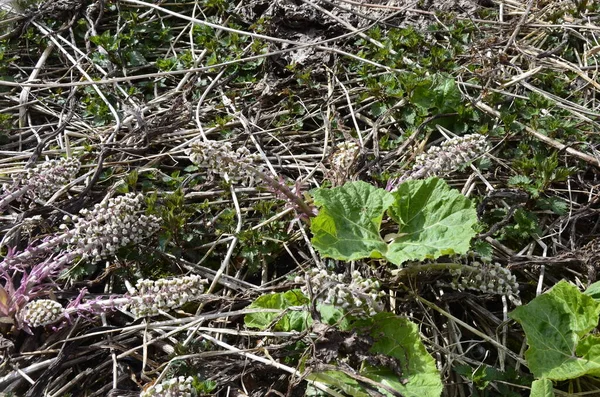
(554, 324)
(293, 320)
(594, 291)
(347, 227)
(589, 349)
(398, 337)
(340, 381)
(542, 388)
(434, 220)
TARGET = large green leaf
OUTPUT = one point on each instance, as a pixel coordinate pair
(556, 324)
(296, 320)
(349, 219)
(434, 220)
(399, 338)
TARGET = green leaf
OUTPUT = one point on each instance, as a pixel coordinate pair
(347, 226)
(339, 380)
(439, 92)
(553, 204)
(555, 324)
(135, 58)
(434, 220)
(519, 181)
(399, 338)
(291, 321)
(333, 315)
(542, 388)
(594, 291)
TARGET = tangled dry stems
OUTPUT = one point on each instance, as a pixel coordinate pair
(151, 133)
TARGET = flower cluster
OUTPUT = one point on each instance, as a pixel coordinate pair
(41, 181)
(47, 178)
(151, 297)
(488, 278)
(220, 158)
(361, 296)
(42, 312)
(344, 155)
(112, 224)
(445, 158)
(449, 156)
(175, 387)
(342, 160)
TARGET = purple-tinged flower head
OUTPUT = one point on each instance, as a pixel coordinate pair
(41, 312)
(112, 224)
(361, 296)
(148, 298)
(489, 278)
(47, 178)
(151, 297)
(175, 387)
(220, 158)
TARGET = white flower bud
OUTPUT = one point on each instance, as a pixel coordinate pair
(42, 312)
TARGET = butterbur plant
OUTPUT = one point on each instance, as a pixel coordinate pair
(240, 165)
(449, 156)
(360, 296)
(429, 220)
(94, 234)
(41, 181)
(487, 277)
(148, 298)
(341, 161)
(112, 224)
(220, 158)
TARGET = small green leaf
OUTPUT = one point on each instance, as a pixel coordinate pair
(553, 204)
(347, 226)
(439, 92)
(594, 291)
(542, 388)
(135, 58)
(292, 321)
(434, 220)
(332, 315)
(555, 324)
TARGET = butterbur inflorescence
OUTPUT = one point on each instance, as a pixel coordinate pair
(342, 160)
(41, 312)
(151, 297)
(47, 178)
(361, 296)
(41, 181)
(449, 156)
(112, 224)
(220, 158)
(175, 387)
(488, 278)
